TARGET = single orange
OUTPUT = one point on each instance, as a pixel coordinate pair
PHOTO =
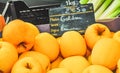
(106, 52)
(21, 34)
(72, 43)
(95, 32)
(47, 44)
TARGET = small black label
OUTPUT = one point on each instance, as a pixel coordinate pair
(70, 16)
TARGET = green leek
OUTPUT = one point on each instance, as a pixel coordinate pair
(89, 1)
(115, 13)
(102, 8)
(97, 4)
(83, 1)
(111, 9)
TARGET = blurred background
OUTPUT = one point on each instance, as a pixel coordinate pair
(37, 2)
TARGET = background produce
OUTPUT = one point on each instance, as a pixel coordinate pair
(104, 9)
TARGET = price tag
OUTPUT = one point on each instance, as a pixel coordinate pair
(71, 16)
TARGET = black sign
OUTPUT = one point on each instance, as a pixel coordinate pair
(70, 16)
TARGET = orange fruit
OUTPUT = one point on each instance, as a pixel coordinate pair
(2, 22)
(75, 64)
(43, 59)
(72, 43)
(112, 34)
(21, 34)
(59, 70)
(118, 66)
(95, 32)
(89, 59)
(8, 56)
(47, 44)
(88, 52)
(116, 36)
(56, 62)
(27, 65)
(58, 39)
(106, 52)
(97, 69)
(117, 71)
(0, 39)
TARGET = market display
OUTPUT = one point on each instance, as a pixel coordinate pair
(25, 49)
(48, 52)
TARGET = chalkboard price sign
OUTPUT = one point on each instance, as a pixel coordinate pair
(71, 16)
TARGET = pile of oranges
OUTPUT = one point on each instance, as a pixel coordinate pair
(24, 49)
